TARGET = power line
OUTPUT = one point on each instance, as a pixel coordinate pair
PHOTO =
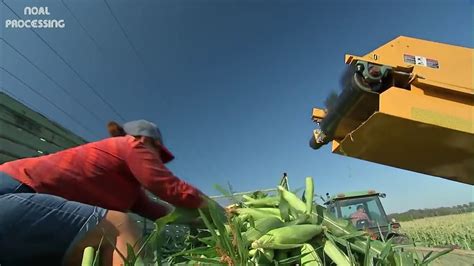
(125, 34)
(52, 80)
(70, 67)
(122, 29)
(48, 100)
(83, 27)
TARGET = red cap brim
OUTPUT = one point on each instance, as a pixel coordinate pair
(165, 154)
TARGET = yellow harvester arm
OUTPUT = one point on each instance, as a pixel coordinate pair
(407, 104)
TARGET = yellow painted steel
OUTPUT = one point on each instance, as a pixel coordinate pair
(426, 127)
(455, 72)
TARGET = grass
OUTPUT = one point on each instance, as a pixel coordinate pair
(451, 230)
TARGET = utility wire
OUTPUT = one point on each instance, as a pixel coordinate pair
(125, 34)
(52, 80)
(70, 67)
(48, 100)
(122, 29)
(83, 27)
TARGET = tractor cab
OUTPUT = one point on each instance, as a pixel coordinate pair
(364, 210)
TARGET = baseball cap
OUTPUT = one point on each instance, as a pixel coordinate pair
(148, 129)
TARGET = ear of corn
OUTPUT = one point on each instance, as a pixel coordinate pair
(259, 213)
(309, 194)
(288, 237)
(246, 198)
(292, 200)
(284, 230)
(336, 255)
(263, 202)
(88, 257)
(253, 252)
(262, 256)
(300, 219)
(262, 226)
(309, 256)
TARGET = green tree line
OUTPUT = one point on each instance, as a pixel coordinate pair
(413, 214)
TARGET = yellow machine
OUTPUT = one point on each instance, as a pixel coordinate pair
(407, 104)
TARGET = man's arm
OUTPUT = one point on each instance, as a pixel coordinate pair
(148, 169)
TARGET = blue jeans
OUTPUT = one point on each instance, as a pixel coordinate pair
(39, 229)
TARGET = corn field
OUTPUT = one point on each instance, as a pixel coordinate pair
(450, 230)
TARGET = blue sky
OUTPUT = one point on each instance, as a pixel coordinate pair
(231, 83)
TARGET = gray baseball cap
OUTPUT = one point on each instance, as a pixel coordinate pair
(148, 129)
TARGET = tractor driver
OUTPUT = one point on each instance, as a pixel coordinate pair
(359, 215)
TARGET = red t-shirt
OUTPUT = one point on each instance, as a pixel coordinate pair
(356, 216)
(111, 173)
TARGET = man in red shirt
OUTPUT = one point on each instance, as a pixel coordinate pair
(359, 215)
(69, 199)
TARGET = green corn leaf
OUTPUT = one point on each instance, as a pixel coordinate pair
(404, 259)
(209, 225)
(354, 235)
(293, 259)
(207, 261)
(146, 242)
(206, 251)
(427, 256)
(309, 194)
(131, 253)
(367, 257)
(386, 250)
(219, 224)
(210, 241)
(227, 193)
(242, 247)
(156, 240)
(349, 253)
(97, 254)
(139, 262)
(431, 258)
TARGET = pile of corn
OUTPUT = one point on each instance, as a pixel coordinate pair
(285, 230)
(273, 230)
